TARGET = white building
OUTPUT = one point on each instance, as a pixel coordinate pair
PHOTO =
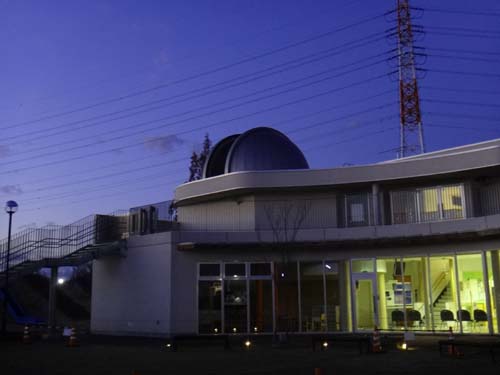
(263, 244)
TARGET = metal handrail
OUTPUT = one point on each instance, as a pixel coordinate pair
(58, 241)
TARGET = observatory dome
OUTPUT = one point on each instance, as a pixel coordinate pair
(258, 149)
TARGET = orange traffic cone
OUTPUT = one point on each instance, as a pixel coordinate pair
(26, 335)
(73, 340)
(376, 345)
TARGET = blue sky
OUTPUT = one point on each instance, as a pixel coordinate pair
(102, 102)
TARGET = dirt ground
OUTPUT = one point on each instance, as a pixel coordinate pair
(141, 356)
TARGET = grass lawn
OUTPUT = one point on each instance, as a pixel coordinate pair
(141, 356)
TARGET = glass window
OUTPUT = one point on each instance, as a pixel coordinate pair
(404, 207)
(357, 210)
(362, 265)
(261, 306)
(286, 296)
(260, 269)
(428, 204)
(209, 269)
(209, 306)
(473, 311)
(493, 282)
(332, 295)
(417, 308)
(312, 297)
(235, 306)
(234, 269)
(443, 296)
(391, 308)
(451, 202)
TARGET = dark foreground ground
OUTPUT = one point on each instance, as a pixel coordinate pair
(127, 356)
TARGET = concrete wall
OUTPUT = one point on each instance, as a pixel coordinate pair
(132, 295)
(319, 210)
(249, 213)
(226, 214)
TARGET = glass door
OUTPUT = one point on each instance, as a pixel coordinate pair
(364, 290)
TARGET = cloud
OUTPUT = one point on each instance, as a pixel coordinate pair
(11, 189)
(164, 143)
(4, 151)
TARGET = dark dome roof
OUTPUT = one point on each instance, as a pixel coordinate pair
(258, 149)
(216, 161)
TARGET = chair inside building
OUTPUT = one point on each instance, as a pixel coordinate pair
(397, 318)
(447, 317)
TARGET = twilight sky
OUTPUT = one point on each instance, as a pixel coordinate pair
(102, 102)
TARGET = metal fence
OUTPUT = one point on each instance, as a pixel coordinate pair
(57, 241)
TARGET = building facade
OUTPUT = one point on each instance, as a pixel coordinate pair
(264, 244)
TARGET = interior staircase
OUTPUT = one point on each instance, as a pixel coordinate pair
(441, 304)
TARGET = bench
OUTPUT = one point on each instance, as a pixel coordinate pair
(362, 341)
(454, 344)
(177, 339)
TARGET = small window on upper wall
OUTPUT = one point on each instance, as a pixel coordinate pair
(209, 269)
(234, 269)
(260, 269)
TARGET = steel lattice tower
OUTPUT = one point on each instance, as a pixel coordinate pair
(412, 136)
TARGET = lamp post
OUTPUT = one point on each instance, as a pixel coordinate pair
(10, 208)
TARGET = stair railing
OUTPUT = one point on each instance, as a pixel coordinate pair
(439, 285)
(59, 241)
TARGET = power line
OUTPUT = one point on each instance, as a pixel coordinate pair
(465, 58)
(183, 159)
(277, 123)
(460, 51)
(59, 196)
(461, 90)
(187, 57)
(462, 73)
(459, 11)
(190, 118)
(462, 116)
(201, 74)
(35, 134)
(462, 29)
(456, 102)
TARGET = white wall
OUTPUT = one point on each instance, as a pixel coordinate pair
(226, 214)
(247, 213)
(132, 295)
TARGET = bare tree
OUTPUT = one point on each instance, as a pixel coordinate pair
(285, 219)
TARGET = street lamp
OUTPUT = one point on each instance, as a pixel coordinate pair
(11, 208)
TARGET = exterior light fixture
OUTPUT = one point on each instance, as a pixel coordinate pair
(282, 274)
(255, 329)
(235, 275)
(216, 330)
(60, 281)
(234, 329)
(248, 343)
(325, 344)
(328, 266)
(404, 346)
